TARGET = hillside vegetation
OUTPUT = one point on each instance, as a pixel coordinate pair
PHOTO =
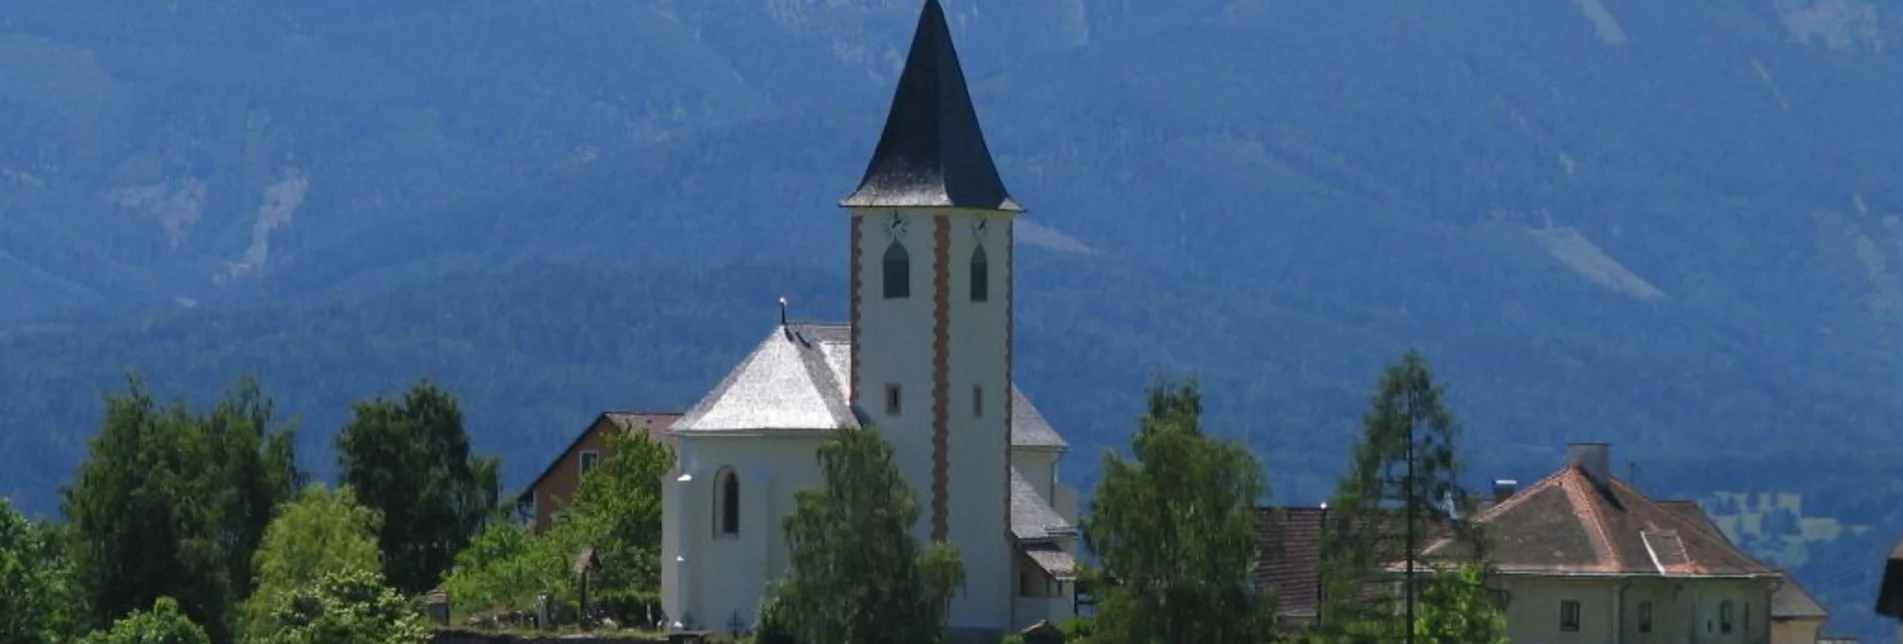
(1668, 225)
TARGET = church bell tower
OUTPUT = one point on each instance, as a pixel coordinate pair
(931, 244)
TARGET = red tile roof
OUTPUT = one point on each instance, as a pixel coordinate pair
(1568, 523)
(1289, 543)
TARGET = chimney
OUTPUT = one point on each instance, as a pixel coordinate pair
(1593, 457)
(1503, 489)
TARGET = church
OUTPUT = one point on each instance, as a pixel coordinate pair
(925, 358)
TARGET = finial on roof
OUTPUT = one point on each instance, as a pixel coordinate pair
(932, 152)
(783, 328)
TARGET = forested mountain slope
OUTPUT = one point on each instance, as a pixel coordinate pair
(1667, 224)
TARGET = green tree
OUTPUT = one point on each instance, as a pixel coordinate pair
(320, 531)
(345, 607)
(1456, 608)
(1402, 487)
(855, 573)
(35, 588)
(410, 460)
(164, 624)
(616, 511)
(169, 504)
(1175, 532)
(504, 568)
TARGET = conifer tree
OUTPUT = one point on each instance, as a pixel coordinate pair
(1401, 489)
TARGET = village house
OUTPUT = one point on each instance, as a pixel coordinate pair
(543, 498)
(1580, 557)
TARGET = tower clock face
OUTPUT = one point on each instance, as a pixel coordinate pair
(894, 224)
(979, 227)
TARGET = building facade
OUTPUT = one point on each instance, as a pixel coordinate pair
(925, 360)
(1582, 557)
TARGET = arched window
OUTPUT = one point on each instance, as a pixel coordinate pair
(980, 276)
(1724, 616)
(727, 504)
(898, 272)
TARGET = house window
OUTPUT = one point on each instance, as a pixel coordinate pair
(977, 401)
(891, 400)
(1645, 617)
(588, 459)
(727, 506)
(1747, 617)
(1724, 616)
(1569, 616)
(898, 272)
(980, 276)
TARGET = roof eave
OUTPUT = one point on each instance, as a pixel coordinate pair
(771, 432)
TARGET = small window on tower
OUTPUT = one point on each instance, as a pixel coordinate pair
(588, 459)
(898, 272)
(980, 276)
(891, 400)
(977, 401)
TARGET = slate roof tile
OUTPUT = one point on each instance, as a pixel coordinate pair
(798, 378)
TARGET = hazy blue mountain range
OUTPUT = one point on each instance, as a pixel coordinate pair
(1667, 224)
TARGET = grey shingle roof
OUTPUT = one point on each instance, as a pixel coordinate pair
(1032, 517)
(1059, 564)
(798, 378)
(1028, 427)
(788, 382)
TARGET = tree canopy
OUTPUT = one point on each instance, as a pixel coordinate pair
(163, 624)
(1175, 532)
(410, 460)
(855, 573)
(344, 606)
(320, 531)
(35, 587)
(1401, 488)
(172, 504)
(616, 512)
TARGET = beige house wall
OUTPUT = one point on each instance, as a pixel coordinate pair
(1683, 610)
(1796, 631)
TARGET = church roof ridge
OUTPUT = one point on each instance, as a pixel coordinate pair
(932, 152)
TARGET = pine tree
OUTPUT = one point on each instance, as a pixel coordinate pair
(1401, 490)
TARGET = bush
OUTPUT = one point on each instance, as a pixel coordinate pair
(776, 623)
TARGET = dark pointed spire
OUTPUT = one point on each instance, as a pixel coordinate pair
(932, 152)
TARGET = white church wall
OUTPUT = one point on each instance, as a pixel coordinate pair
(1039, 466)
(724, 576)
(978, 435)
(895, 346)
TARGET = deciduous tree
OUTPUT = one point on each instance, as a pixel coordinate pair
(616, 511)
(1175, 532)
(345, 606)
(319, 532)
(35, 586)
(164, 624)
(170, 504)
(409, 459)
(1456, 608)
(856, 574)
